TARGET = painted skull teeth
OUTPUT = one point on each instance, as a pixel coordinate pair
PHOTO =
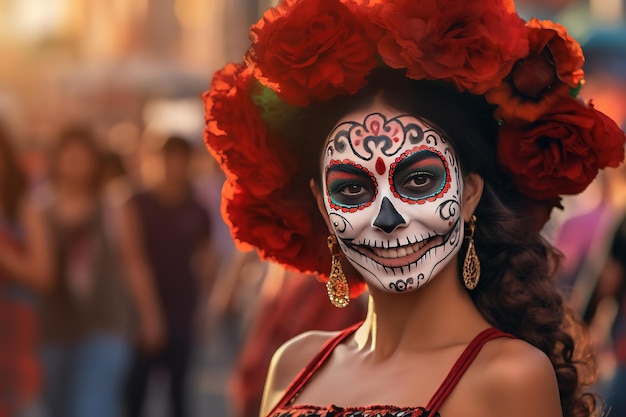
(402, 256)
(400, 251)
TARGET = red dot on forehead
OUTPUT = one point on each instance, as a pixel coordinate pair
(380, 166)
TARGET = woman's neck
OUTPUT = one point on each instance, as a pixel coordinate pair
(439, 314)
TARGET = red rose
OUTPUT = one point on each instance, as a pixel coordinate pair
(611, 147)
(223, 88)
(230, 196)
(562, 152)
(314, 49)
(472, 44)
(516, 108)
(567, 55)
(553, 66)
(238, 138)
(258, 202)
(264, 223)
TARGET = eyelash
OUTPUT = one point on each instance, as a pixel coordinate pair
(338, 186)
(416, 184)
(341, 198)
(417, 174)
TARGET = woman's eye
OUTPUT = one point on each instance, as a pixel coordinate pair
(419, 180)
(353, 190)
(420, 175)
(417, 185)
(349, 186)
(351, 194)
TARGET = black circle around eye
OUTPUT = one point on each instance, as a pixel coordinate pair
(349, 186)
(420, 175)
(351, 195)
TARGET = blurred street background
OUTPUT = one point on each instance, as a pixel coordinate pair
(100, 111)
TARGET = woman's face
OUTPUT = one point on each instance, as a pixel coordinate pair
(392, 191)
(75, 163)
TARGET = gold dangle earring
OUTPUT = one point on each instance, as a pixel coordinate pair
(337, 285)
(471, 265)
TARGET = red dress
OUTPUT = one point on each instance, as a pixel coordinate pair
(285, 409)
(20, 374)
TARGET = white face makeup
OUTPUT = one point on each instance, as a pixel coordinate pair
(392, 193)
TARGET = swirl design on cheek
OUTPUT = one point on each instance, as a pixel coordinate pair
(376, 132)
(448, 209)
(455, 233)
(339, 222)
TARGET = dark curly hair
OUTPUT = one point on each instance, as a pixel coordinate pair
(518, 292)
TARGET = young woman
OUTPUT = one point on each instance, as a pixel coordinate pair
(99, 279)
(25, 264)
(424, 144)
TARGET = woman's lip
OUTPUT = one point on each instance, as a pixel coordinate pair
(399, 257)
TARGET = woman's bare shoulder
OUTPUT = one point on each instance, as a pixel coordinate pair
(288, 361)
(514, 378)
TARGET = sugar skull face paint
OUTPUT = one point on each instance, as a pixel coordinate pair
(392, 193)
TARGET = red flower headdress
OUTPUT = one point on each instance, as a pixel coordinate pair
(310, 51)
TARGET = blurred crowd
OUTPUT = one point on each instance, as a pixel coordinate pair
(106, 284)
(121, 291)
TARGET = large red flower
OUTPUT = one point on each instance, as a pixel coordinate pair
(260, 204)
(226, 90)
(610, 139)
(472, 44)
(551, 69)
(278, 229)
(314, 49)
(236, 135)
(562, 152)
(565, 51)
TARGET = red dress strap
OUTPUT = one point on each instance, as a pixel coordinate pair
(461, 365)
(305, 374)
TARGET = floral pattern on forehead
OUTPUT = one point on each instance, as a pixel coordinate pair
(375, 131)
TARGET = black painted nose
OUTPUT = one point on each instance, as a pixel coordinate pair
(388, 218)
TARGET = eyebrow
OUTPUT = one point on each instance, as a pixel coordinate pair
(347, 168)
(417, 157)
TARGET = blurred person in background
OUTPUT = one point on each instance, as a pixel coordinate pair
(25, 265)
(175, 230)
(118, 189)
(598, 267)
(100, 276)
(607, 310)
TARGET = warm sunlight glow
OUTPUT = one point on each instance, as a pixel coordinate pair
(607, 10)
